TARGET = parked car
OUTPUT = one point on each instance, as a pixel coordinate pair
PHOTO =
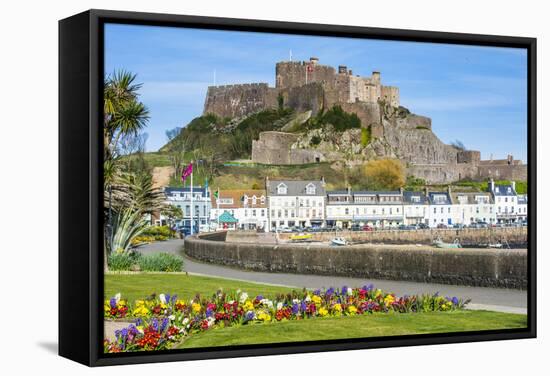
(459, 225)
(368, 228)
(422, 226)
(355, 227)
(442, 225)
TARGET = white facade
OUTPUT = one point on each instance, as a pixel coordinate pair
(248, 207)
(474, 207)
(296, 203)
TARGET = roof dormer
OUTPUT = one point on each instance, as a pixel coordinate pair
(282, 189)
(310, 189)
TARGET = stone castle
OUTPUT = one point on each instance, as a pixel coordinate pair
(309, 87)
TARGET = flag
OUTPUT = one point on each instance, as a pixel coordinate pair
(217, 194)
(186, 172)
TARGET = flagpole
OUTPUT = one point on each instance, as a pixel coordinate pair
(192, 208)
(218, 210)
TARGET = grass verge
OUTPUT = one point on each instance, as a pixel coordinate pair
(364, 326)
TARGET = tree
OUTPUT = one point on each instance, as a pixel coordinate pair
(384, 174)
(177, 149)
(123, 116)
(457, 144)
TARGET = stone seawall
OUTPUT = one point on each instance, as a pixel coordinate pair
(515, 236)
(471, 267)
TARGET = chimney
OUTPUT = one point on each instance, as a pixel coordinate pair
(342, 69)
(313, 60)
(426, 191)
(350, 72)
(449, 189)
(267, 183)
(349, 190)
(513, 184)
(401, 191)
(323, 183)
(491, 185)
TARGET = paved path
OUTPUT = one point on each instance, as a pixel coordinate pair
(505, 300)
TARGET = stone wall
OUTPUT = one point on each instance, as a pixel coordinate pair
(515, 236)
(239, 100)
(502, 172)
(293, 73)
(471, 267)
(273, 148)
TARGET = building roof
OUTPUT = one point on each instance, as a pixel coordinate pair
(168, 191)
(295, 187)
(470, 196)
(445, 201)
(504, 190)
(237, 197)
(408, 195)
(226, 217)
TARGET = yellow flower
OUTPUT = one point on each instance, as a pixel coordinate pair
(323, 312)
(248, 306)
(196, 307)
(316, 299)
(337, 307)
(141, 311)
(389, 299)
(352, 309)
(378, 293)
(264, 316)
(121, 303)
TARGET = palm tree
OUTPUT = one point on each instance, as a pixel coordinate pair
(124, 115)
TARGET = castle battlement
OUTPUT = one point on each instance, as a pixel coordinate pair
(292, 78)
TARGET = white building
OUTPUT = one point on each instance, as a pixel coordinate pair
(415, 208)
(506, 202)
(522, 207)
(441, 210)
(295, 203)
(474, 207)
(248, 207)
(181, 196)
(380, 209)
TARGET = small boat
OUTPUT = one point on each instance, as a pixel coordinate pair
(338, 241)
(494, 245)
(441, 244)
(300, 237)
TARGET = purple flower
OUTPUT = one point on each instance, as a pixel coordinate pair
(369, 287)
(167, 296)
(209, 312)
(139, 322)
(124, 332)
(164, 324)
(330, 291)
(249, 316)
(455, 300)
(112, 302)
(173, 298)
(303, 306)
(317, 292)
(259, 297)
(295, 309)
(155, 324)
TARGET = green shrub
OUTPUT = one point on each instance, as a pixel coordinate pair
(121, 260)
(365, 136)
(422, 127)
(340, 119)
(315, 140)
(159, 232)
(161, 262)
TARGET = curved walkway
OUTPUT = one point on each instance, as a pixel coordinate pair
(504, 300)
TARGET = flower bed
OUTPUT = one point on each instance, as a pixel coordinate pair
(163, 320)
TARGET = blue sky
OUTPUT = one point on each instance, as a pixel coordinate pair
(474, 94)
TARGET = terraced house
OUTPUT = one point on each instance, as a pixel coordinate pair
(373, 208)
(296, 203)
(247, 207)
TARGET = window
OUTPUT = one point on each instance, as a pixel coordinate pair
(346, 211)
(279, 213)
(263, 213)
(286, 213)
(282, 189)
(262, 199)
(272, 212)
(435, 210)
(310, 189)
(253, 200)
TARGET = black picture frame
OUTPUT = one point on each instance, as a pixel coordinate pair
(80, 184)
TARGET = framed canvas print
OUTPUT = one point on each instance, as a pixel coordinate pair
(240, 187)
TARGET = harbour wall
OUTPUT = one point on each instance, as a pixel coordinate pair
(471, 266)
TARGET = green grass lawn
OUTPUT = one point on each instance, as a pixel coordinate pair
(373, 325)
(139, 286)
